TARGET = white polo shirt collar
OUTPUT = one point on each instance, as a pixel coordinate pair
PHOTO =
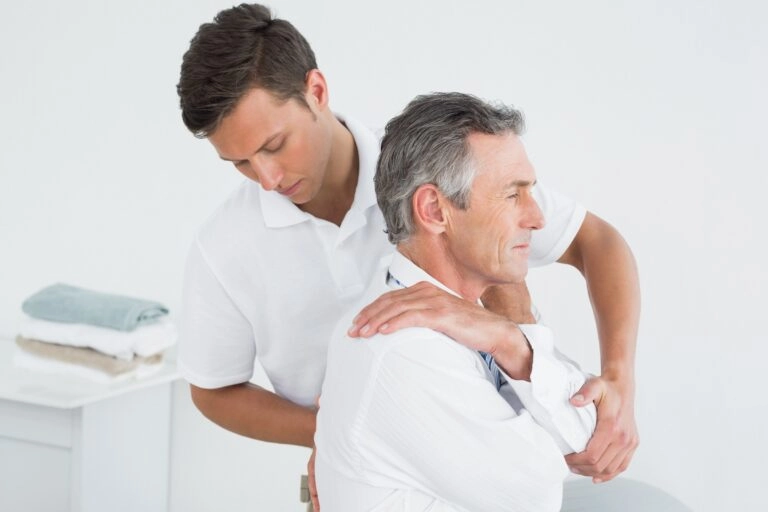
(278, 211)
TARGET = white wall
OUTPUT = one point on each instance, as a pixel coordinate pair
(651, 113)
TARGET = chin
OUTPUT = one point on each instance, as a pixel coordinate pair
(519, 277)
(302, 199)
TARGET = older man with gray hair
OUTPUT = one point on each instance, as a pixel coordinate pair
(413, 420)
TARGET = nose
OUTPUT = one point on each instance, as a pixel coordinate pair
(267, 174)
(533, 217)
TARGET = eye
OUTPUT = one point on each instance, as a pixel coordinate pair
(514, 196)
(274, 147)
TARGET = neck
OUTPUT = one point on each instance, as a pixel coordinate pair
(337, 192)
(431, 255)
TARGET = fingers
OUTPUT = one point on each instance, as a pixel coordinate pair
(600, 470)
(613, 468)
(397, 309)
(591, 391)
(387, 305)
(627, 444)
(608, 453)
(312, 483)
(615, 440)
(586, 463)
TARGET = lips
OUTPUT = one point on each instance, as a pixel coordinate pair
(290, 190)
(522, 244)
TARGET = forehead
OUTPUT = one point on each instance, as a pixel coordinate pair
(256, 116)
(500, 159)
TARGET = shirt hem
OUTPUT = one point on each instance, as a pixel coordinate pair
(211, 383)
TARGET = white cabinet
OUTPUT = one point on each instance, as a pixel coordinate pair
(68, 445)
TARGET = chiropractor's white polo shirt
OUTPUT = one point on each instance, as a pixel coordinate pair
(266, 280)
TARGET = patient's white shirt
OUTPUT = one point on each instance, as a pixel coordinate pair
(411, 421)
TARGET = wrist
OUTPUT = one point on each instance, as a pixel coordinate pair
(623, 382)
(621, 375)
(513, 354)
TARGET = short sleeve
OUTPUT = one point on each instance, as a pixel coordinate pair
(563, 217)
(216, 343)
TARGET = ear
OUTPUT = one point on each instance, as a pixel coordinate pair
(429, 209)
(316, 89)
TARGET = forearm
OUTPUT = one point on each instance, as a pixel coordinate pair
(512, 352)
(510, 300)
(600, 253)
(252, 411)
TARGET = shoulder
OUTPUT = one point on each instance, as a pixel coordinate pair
(230, 238)
(421, 350)
(241, 208)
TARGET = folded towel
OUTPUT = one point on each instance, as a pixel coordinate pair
(69, 304)
(28, 361)
(86, 357)
(145, 341)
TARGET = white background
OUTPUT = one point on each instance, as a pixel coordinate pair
(651, 113)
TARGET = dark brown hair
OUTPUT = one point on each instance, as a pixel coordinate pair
(243, 48)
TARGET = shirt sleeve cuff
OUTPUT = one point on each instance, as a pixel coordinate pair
(554, 381)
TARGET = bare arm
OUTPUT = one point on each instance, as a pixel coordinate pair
(252, 411)
(604, 258)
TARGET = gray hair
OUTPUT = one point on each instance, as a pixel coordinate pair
(427, 143)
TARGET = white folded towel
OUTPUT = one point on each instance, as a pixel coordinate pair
(27, 361)
(144, 341)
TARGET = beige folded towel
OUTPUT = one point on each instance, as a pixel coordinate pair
(86, 357)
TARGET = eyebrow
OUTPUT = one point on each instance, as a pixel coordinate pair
(520, 183)
(266, 143)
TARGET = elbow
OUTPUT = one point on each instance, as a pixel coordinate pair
(584, 423)
(205, 400)
(199, 397)
(545, 487)
(596, 238)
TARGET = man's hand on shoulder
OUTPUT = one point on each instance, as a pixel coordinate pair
(426, 305)
(615, 440)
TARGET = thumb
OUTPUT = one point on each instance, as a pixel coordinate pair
(591, 391)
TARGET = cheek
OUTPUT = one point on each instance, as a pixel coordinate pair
(497, 237)
(291, 159)
(309, 151)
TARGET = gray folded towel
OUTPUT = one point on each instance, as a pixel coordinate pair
(72, 305)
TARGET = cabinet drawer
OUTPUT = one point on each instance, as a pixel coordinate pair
(36, 423)
(34, 477)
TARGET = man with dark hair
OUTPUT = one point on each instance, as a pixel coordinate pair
(244, 48)
(272, 270)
